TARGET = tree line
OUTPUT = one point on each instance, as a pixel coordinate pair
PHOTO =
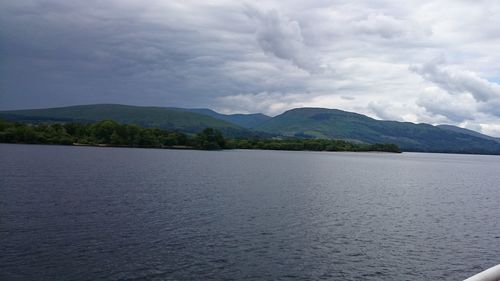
(107, 132)
(111, 133)
(310, 145)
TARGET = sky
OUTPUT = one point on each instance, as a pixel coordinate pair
(419, 61)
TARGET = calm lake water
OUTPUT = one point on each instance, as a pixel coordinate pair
(83, 213)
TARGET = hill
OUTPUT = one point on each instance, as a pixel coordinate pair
(338, 124)
(248, 121)
(468, 132)
(300, 123)
(157, 117)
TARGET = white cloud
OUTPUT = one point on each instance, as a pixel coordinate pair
(282, 37)
(456, 81)
(459, 95)
(271, 103)
(456, 108)
(492, 129)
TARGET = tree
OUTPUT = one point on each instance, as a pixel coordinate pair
(115, 139)
(103, 130)
(209, 139)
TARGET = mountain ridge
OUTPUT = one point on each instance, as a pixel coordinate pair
(467, 131)
(339, 124)
(146, 116)
(248, 121)
(307, 122)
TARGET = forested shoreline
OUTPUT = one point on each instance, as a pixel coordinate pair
(111, 133)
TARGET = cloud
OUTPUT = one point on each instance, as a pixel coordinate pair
(492, 107)
(271, 103)
(405, 112)
(456, 108)
(388, 27)
(347, 97)
(491, 129)
(384, 111)
(366, 56)
(457, 81)
(282, 37)
(461, 94)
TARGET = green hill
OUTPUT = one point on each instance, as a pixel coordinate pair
(338, 124)
(304, 123)
(467, 132)
(157, 117)
(248, 121)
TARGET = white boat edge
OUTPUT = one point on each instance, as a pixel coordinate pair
(490, 274)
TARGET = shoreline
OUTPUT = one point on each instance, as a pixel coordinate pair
(180, 147)
(197, 149)
(260, 149)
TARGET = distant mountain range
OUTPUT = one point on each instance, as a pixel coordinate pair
(295, 123)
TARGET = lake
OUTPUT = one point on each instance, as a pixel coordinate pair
(88, 213)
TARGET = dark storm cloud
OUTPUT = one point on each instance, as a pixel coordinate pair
(66, 52)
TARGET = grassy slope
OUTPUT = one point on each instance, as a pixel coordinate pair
(243, 120)
(467, 132)
(143, 116)
(337, 124)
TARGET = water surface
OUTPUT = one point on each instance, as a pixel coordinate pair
(85, 213)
